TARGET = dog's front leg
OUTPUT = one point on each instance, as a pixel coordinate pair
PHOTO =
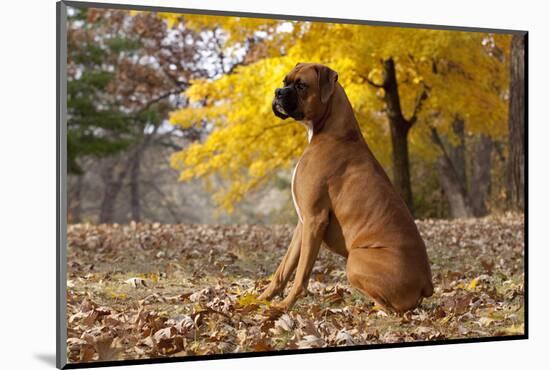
(313, 229)
(286, 267)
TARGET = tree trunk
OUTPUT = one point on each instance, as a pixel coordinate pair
(113, 184)
(454, 192)
(516, 124)
(453, 187)
(135, 201)
(457, 153)
(400, 159)
(399, 131)
(75, 203)
(480, 184)
(135, 204)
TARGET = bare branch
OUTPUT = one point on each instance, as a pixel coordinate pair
(418, 105)
(372, 83)
(159, 98)
(266, 129)
(170, 145)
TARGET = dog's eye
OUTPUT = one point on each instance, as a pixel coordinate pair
(301, 86)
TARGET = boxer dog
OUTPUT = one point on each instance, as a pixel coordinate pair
(345, 201)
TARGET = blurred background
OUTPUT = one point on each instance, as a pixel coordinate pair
(169, 115)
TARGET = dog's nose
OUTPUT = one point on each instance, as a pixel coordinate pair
(278, 93)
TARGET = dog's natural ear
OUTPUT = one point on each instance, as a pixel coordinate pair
(327, 82)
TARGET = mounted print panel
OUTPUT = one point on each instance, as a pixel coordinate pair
(235, 185)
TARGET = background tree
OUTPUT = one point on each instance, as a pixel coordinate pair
(516, 123)
(125, 78)
(411, 86)
(433, 106)
(96, 124)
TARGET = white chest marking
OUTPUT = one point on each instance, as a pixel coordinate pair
(296, 206)
(293, 194)
(309, 127)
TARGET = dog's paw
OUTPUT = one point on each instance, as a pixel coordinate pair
(273, 312)
(284, 305)
(265, 296)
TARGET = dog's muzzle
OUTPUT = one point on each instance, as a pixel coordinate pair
(278, 109)
(285, 102)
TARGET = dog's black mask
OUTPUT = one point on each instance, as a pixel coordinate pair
(285, 103)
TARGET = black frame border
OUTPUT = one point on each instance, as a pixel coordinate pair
(61, 186)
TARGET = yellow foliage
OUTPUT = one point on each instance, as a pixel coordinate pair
(250, 299)
(473, 284)
(248, 143)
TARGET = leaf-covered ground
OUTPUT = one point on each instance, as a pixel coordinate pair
(151, 290)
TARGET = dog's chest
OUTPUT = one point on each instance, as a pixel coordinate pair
(293, 190)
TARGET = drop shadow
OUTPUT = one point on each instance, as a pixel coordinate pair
(47, 358)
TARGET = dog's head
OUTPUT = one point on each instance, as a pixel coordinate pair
(307, 90)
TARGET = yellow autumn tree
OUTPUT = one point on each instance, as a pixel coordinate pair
(435, 75)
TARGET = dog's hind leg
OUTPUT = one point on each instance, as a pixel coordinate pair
(376, 273)
(286, 267)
